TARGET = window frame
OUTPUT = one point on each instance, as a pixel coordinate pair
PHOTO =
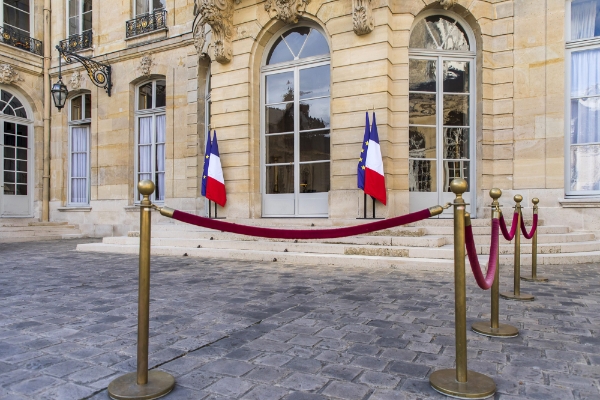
(572, 46)
(80, 17)
(151, 8)
(149, 112)
(31, 20)
(77, 124)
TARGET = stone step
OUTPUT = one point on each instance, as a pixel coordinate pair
(542, 239)
(15, 239)
(485, 230)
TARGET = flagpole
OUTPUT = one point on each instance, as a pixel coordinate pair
(365, 206)
(373, 198)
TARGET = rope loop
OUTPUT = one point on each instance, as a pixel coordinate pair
(513, 228)
(483, 282)
(529, 235)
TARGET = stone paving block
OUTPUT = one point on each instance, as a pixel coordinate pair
(346, 390)
(304, 382)
(91, 374)
(66, 368)
(30, 387)
(232, 387)
(379, 379)
(342, 372)
(308, 365)
(197, 379)
(66, 391)
(266, 393)
(408, 369)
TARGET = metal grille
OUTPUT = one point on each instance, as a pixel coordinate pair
(13, 37)
(77, 42)
(146, 23)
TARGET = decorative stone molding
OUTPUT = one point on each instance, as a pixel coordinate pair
(8, 74)
(286, 10)
(219, 15)
(362, 16)
(77, 80)
(447, 3)
(145, 66)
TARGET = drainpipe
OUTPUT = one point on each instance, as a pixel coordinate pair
(47, 107)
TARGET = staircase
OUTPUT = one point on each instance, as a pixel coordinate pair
(19, 230)
(425, 245)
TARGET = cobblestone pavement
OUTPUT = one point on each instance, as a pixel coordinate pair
(266, 331)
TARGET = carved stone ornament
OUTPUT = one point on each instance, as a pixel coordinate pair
(219, 15)
(145, 66)
(447, 3)
(8, 74)
(286, 10)
(362, 16)
(77, 79)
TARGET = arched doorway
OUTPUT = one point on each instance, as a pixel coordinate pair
(442, 109)
(295, 125)
(16, 157)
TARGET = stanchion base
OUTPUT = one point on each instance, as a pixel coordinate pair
(520, 297)
(126, 388)
(503, 330)
(478, 386)
(536, 279)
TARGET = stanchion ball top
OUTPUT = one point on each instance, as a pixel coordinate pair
(495, 193)
(518, 198)
(535, 201)
(459, 186)
(146, 187)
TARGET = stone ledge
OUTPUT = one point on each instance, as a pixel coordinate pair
(131, 208)
(590, 202)
(74, 209)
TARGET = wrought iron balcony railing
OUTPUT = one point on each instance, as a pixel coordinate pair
(13, 37)
(146, 23)
(77, 42)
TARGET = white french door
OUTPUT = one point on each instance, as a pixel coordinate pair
(15, 181)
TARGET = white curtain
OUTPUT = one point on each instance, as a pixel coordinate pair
(583, 19)
(585, 174)
(145, 149)
(79, 165)
(160, 157)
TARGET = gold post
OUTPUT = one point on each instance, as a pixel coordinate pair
(516, 293)
(534, 277)
(494, 327)
(459, 382)
(143, 384)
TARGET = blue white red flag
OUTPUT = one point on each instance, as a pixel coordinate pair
(215, 184)
(205, 168)
(363, 156)
(374, 176)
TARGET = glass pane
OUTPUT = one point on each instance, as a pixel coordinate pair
(141, 7)
(316, 45)
(439, 32)
(9, 152)
(314, 114)
(21, 113)
(585, 120)
(76, 109)
(315, 146)
(422, 38)
(74, 8)
(456, 76)
(314, 82)
(20, 4)
(422, 176)
(21, 154)
(585, 174)
(421, 109)
(585, 21)
(21, 141)
(280, 149)
(87, 5)
(87, 21)
(156, 4)
(22, 190)
(280, 87)
(9, 165)
(314, 178)
(21, 130)
(279, 53)
(280, 118)
(456, 143)
(22, 178)
(9, 188)
(9, 127)
(585, 74)
(22, 166)
(145, 96)
(422, 142)
(161, 93)
(453, 170)
(17, 18)
(295, 38)
(456, 110)
(5, 96)
(9, 177)
(280, 179)
(88, 106)
(422, 75)
(9, 140)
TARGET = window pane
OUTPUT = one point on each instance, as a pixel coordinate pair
(141, 7)
(9, 188)
(453, 170)
(18, 19)
(314, 178)
(279, 53)
(156, 4)
(456, 76)
(76, 109)
(314, 114)
(422, 75)
(9, 127)
(316, 45)
(585, 174)
(87, 21)
(422, 176)
(161, 93)
(145, 96)
(280, 118)
(315, 146)
(439, 32)
(456, 110)
(87, 5)
(21, 190)
(280, 179)
(456, 143)
(9, 140)
(295, 38)
(21, 154)
(421, 109)
(9, 165)
(20, 4)
(9, 177)
(585, 120)
(280, 87)
(21, 142)
(280, 149)
(22, 130)
(585, 22)
(22, 166)
(88, 106)
(22, 178)
(315, 82)
(422, 142)
(74, 8)
(585, 73)
(9, 152)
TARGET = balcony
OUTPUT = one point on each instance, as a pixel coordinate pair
(13, 37)
(77, 42)
(146, 23)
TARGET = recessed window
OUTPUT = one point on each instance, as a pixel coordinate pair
(80, 113)
(148, 6)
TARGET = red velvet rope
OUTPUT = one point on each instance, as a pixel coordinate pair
(513, 228)
(300, 233)
(484, 283)
(529, 235)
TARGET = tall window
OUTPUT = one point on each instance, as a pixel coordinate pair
(80, 114)
(16, 14)
(582, 161)
(151, 135)
(80, 16)
(148, 6)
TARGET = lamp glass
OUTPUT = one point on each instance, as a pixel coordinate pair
(59, 94)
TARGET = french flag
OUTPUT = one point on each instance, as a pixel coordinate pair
(215, 184)
(363, 156)
(374, 177)
(205, 168)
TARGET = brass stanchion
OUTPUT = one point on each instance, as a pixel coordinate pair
(143, 384)
(534, 277)
(516, 294)
(494, 327)
(460, 382)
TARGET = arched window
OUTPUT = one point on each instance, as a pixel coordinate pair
(441, 108)
(80, 114)
(151, 128)
(295, 96)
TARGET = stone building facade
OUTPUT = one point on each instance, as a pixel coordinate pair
(499, 92)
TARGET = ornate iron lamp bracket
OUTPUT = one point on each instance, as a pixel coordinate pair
(99, 73)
